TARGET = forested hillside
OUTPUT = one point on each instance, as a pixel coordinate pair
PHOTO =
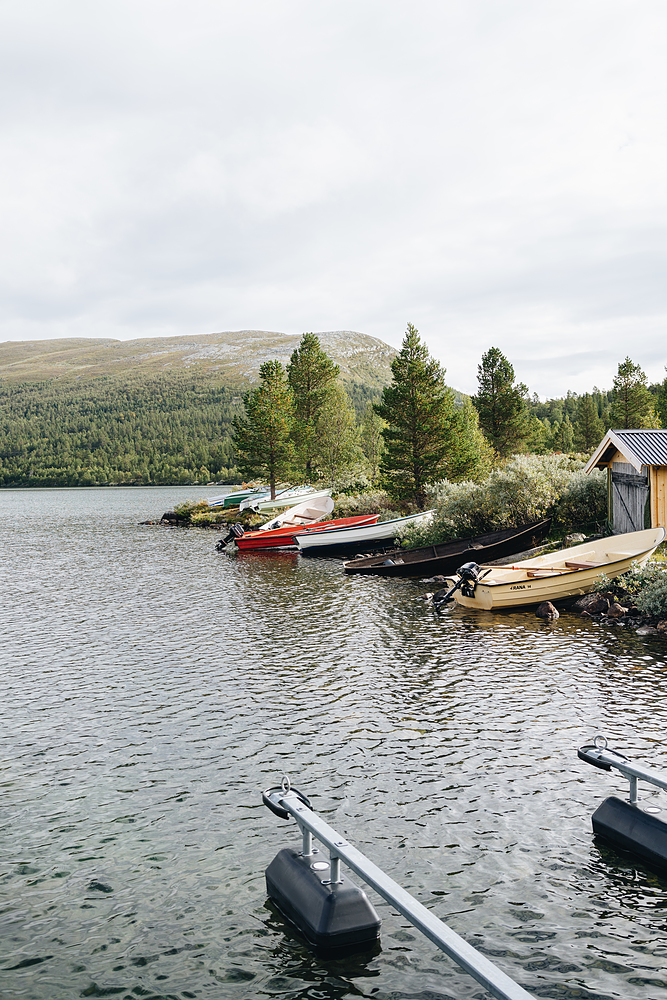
(79, 412)
(83, 413)
(167, 429)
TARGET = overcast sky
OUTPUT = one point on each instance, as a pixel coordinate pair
(493, 171)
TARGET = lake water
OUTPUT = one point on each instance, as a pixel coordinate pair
(151, 687)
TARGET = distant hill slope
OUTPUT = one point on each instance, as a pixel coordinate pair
(78, 412)
(231, 359)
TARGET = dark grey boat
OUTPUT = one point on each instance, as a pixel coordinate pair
(444, 559)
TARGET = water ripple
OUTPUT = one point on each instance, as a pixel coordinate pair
(151, 687)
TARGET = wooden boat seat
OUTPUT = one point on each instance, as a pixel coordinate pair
(306, 518)
(544, 571)
(581, 564)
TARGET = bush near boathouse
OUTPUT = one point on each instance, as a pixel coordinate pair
(628, 586)
(526, 488)
(644, 588)
(652, 600)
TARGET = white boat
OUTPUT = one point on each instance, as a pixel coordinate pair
(286, 498)
(556, 576)
(311, 510)
(339, 540)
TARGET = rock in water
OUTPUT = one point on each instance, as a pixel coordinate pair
(547, 611)
(595, 604)
(616, 611)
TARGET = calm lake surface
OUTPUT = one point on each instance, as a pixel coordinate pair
(151, 687)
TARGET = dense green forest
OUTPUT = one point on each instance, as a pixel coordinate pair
(175, 427)
(166, 429)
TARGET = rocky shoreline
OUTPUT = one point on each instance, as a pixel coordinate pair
(605, 606)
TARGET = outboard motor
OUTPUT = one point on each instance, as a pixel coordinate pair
(235, 532)
(469, 575)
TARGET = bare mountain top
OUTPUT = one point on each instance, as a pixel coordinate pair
(229, 357)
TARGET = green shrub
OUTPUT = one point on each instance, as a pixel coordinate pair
(653, 599)
(583, 504)
(204, 518)
(525, 489)
(199, 514)
(629, 586)
(189, 508)
(352, 480)
(368, 502)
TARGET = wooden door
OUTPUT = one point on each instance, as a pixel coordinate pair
(629, 491)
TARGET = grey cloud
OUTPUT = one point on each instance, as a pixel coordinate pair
(493, 173)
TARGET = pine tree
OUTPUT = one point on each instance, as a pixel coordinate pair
(501, 403)
(419, 410)
(312, 376)
(632, 404)
(589, 429)
(263, 437)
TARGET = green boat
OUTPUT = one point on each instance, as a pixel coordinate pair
(238, 496)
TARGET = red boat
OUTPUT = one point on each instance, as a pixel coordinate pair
(280, 538)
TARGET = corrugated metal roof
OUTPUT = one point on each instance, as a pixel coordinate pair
(650, 447)
(639, 447)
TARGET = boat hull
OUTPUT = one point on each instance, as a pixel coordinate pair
(282, 538)
(549, 578)
(347, 540)
(446, 558)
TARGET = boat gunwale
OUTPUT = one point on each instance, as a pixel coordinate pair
(395, 520)
(563, 574)
(448, 549)
(599, 570)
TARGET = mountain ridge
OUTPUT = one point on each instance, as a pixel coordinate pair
(233, 357)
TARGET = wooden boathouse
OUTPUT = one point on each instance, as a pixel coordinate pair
(636, 463)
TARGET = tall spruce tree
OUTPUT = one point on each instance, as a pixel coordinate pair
(632, 403)
(337, 434)
(418, 408)
(470, 455)
(501, 403)
(372, 442)
(312, 376)
(661, 404)
(262, 438)
(589, 429)
(563, 440)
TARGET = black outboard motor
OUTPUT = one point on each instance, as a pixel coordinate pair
(235, 532)
(469, 574)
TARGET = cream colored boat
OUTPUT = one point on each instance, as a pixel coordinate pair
(556, 576)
